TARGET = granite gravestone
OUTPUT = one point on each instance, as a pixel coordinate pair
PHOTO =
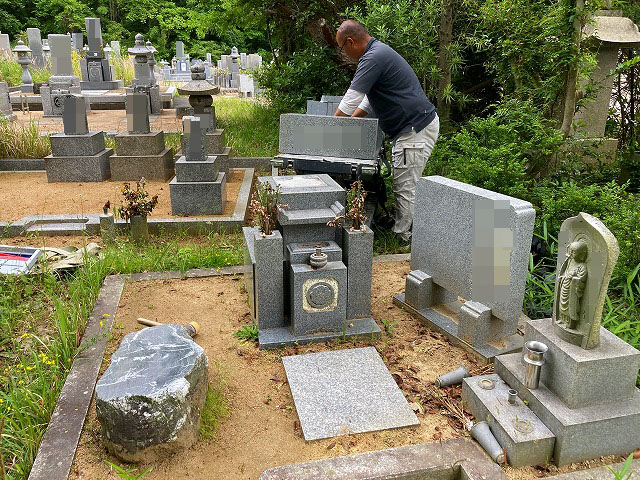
(199, 187)
(472, 243)
(97, 72)
(35, 44)
(140, 152)
(5, 45)
(6, 110)
(62, 81)
(78, 155)
(77, 41)
(115, 45)
(586, 395)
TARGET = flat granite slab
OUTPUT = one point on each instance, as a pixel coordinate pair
(345, 391)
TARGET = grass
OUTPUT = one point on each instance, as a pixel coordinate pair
(22, 141)
(42, 319)
(251, 129)
(11, 72)
(247, 333)
(216, 405)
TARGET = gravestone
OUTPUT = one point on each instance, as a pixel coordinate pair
(115, 45)
(77, 41)
(586, 394)
(149, 401)
(140, 152)
(97, 72)
(293, 298)
(199, 187)
(472, 243)
(35, 44)
(344, 392)
(5, 44)
(6, 110)
(62, 81)
(182, 64)
(78, 155)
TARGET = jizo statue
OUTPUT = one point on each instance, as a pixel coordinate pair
(583, 274)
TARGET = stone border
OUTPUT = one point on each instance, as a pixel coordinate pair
(60, 441)
(79, 224)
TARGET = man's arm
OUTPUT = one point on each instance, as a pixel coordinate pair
(351, 100)
(363, 109)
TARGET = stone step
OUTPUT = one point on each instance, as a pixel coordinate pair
(523, 436)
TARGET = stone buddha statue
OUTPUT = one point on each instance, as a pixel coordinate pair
(572, 279)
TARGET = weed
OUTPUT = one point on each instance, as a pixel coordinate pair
(216, 405)
(22, 141)
(389, 326)
(247, 333)
(623, 473)
(128, 473)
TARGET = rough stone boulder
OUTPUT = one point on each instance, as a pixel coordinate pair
(150, 399)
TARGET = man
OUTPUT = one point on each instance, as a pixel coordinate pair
(385, 84)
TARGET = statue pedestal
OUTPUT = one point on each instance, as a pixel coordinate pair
(587, 398)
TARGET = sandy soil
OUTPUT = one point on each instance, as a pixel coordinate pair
(262, 429)
(66, 198)
(103, 120)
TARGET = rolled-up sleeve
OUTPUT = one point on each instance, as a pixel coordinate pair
(364, 105)
(351, 100)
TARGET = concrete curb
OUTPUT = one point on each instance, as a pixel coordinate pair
(79, 224)
(60, 441)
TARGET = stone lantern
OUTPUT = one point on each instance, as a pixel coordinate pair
(107, 52)
(24, 59)
(234, 68)
(143, 81)
(200, 93)
(152, 61)
(46, 50)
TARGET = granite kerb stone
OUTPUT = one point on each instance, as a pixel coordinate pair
(198, 198)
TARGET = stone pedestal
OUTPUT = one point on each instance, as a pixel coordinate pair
(78, 158)
(141, 155)
(198, 188)
(358, 257)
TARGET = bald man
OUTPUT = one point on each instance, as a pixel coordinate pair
(385, 84)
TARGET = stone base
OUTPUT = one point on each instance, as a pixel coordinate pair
(523, 436)
(190, 171)
(223, 159)
(91, 168)
(269, 338)
(151, 167)
(581, 433)
(88, 144)
(106, 85)
(132, 144)
(214, 142)
(198, 198)
(448, 325)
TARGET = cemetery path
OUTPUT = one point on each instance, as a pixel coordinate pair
(262, 429)
(45, 198)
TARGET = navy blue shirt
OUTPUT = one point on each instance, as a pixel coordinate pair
(393, 90)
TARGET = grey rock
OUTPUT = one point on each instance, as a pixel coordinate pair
(345, 391)
(150, 399)
(90, 168)
(332, 136)
(358, 258)
(581, 377)
(525, 439)
(198, 198)
(63, 145)
(152, 167)
(318, 298)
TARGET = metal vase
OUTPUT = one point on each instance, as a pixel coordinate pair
(533, 360)
(139, 229)
(453, 378)
(482, 434)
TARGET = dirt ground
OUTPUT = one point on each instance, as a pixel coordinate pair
(103, 120)
(67, 198)
(262, 429)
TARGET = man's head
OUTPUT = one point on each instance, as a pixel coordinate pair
(352, 38)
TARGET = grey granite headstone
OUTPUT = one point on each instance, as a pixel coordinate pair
(35, 44)
(6, 111)
(74, 117)
(329, 136)
(115, 45)
(474, 243)
(60, 55)
(149, 400)
(345, 391)
(77, 41)
(94, 36)
(137, 106)
(193, 139)
(179, 50)
(5, 44)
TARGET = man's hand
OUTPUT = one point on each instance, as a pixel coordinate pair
(340, 113)
(360, 113)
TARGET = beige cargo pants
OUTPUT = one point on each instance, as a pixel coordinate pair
(410, 153)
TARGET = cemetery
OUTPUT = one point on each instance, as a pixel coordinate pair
(203, 272)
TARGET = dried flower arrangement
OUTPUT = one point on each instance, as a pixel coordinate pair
(136, 202)
(264, 207)
(355, 208)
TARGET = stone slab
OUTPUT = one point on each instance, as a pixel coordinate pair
(63, 145)
(94, 168)
(581, 433)
(198, 198)
(197, 171)
(328, 135)
(474, 243)
(303, 192)
(449, 327)
(308, 233)
(310, 216)
(453, 459)
(318, 298)
(582, 377)
(523, 436)
(345, 391)
(151, 167)
(132, 144)
(103, 85)
(358, 257)
(301, 252)
(600, 473)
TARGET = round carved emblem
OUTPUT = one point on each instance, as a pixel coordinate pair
(320, 295)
